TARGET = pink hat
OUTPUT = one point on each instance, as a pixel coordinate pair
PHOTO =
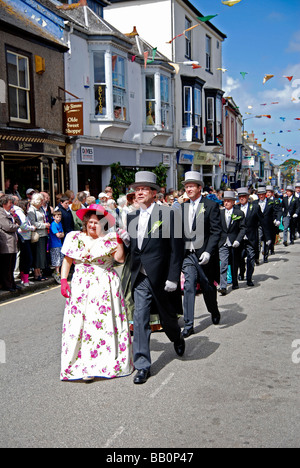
(99, 211)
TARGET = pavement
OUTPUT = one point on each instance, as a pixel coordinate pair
(237, 385)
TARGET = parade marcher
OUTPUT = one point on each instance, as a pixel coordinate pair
(156, 259)
(297, 195)
(291, 212)
(233, 232)
(202, 231)
(267, 216)
(249, 244)
(8, 243)
(277, 213)
(96, 340)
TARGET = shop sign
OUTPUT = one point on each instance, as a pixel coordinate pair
(166, 159)
(73, 118)
(209, 159)
(87, 154)
(186, 158)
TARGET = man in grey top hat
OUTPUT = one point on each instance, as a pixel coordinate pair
(202, 230)
(297, 195)
(291, 213)
(156, 259)
(267, 216)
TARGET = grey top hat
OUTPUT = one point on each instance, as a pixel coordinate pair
(297, 185)
(270, 188)
(261, 190)
(242, 191)
(147, 179)
(291, 188)
(229, 195)
(193, 177)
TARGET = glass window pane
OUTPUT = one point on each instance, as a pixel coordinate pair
(13, 102)
(150, 113)
(164, 88)
(23, 72)
(23, 110)
(12, 69)
(150, 90)
(99, 67)
(100, 100)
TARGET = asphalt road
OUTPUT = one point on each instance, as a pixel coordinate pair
(237, 386)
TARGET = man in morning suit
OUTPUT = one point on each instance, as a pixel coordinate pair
(156, 259)
(291, 212)
(233, 232)
(267, 217)
(249, 245)
(202, 230)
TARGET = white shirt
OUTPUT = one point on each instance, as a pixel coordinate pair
(142, 228)
(262, 205)
(228, 217)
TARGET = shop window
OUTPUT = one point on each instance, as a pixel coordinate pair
(18, 87)
(99, 84)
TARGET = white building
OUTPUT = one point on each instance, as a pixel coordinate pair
(198, 91)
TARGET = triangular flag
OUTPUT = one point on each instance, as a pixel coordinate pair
(222, 69)
(146, 55)
(231, 3)
(133, 33)
(267, 78)
(175, 66)
(244, 74)
(206, 18)
(194, 66)
(289, 77)
(133, 58)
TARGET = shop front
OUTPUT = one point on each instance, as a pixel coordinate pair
(90, 167)
(208, 164)
(34, 162)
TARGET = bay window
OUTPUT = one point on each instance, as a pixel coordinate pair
(213, 124)
(158, 101)
(192, 107)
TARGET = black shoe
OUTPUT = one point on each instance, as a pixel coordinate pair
(234, 288)
(215, 318)
(285, 244)
(141, 376)
(250, 284)
(223, 292)
(188, 332)
(179, 347)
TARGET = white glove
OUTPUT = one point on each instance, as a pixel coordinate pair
(269, 242)
(170, 286)
(124, 236)
(277, 223)
(236, 244)
(295, 215)
(204, 259)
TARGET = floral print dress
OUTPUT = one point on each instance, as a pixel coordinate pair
(96, 341)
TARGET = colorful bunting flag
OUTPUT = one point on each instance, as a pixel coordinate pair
(230, 3)
(267, 78)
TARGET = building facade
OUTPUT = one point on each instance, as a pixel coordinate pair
(197, 59)
(33, 147)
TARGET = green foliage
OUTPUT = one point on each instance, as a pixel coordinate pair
(122, 178)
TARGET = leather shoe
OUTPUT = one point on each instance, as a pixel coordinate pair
(216, 319)
(141, 376)
(250, 284)
(179, 347)
(223, 291)
(188, 332)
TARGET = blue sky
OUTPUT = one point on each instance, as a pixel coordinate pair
(263, 37)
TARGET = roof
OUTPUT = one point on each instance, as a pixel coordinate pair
(32, 20)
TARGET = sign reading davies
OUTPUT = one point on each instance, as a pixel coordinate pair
(73, 118)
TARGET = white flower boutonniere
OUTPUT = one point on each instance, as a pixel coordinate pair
(202, 209)
(235, 217)
(155, 227)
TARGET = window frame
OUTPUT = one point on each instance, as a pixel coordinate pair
(208, 52)
(193, 86)
(28, 90)
(188, 39)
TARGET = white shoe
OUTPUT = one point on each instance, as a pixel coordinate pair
(88, 378)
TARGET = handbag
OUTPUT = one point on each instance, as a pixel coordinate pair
(35, 237)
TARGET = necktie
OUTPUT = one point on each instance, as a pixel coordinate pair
(143, 223)
(228, 218)
(192, 214)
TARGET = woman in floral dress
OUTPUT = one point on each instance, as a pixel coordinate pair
(96, 340)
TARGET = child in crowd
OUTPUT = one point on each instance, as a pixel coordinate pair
(55, 239)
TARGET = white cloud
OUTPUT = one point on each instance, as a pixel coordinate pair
(294, 45)
(230, 85)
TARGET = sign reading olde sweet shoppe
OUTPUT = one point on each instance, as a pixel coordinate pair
(73, 118)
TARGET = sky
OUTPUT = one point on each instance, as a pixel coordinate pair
(263, 37)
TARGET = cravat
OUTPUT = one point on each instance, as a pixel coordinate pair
(192, 214)
(228, 218)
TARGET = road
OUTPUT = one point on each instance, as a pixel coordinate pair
(237, 386)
